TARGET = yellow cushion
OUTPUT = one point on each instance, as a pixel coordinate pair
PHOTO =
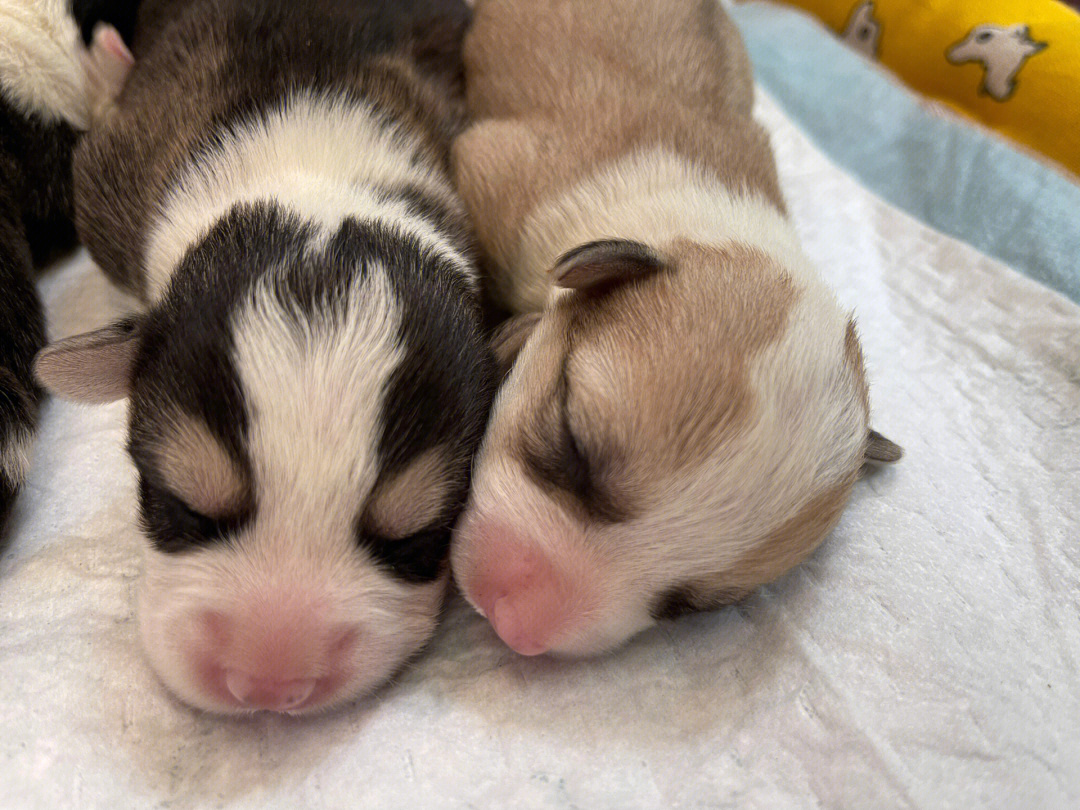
(1012, 64)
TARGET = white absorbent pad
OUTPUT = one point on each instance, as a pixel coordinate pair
(926, 656)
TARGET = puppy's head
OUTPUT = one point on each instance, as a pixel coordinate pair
(304, 406)
(679, 427)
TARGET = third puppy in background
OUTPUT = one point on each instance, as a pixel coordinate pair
(688, 412)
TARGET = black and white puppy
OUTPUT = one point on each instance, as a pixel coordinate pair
(309, 382)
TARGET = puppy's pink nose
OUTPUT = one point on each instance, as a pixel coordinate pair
(526, 598)
(262, 693)
(279, 657)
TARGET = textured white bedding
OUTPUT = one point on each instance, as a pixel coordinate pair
(927, 656)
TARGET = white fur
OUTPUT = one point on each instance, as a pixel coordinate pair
(314, 390)
(317, 156)
(655, 197)
(39, 63)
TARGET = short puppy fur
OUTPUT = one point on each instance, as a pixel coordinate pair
(688, 412)
(43, 108)
(309, 382)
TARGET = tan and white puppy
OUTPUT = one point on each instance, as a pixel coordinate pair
(688, 411)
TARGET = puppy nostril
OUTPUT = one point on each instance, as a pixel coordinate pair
(239, 684)
(296, 693)
(260, 693)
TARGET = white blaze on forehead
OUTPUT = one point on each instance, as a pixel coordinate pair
(314, 387)
(39, 64)
(319, 157)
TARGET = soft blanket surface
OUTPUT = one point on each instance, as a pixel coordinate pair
(925, 657)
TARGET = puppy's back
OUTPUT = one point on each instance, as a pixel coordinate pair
(547, 54)
(564, 86)
(206, 65)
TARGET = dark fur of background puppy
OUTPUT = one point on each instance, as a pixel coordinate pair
(42, 110)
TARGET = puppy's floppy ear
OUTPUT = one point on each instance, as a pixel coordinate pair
(94, 367)
(508, 339)
(598, 266)
(880, 450)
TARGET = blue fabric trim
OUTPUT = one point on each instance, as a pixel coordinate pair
(957, 178)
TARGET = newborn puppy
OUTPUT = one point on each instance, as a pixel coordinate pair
(43, 108)
(309, 382)
(689, 411)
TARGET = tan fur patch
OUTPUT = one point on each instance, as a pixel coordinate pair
(677, 419)
(199, 470)
(413, 499)
(792, 541)
(647, 419)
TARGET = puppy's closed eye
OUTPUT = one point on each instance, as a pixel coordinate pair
(674, 603)
(174, 526)
(561, 463)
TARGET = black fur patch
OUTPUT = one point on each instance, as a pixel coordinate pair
(120, 14)
(35, 179)
(22, 334)
(555, 460)
(418, 558)
(674, 603)
(35, 224)
(8, 491)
